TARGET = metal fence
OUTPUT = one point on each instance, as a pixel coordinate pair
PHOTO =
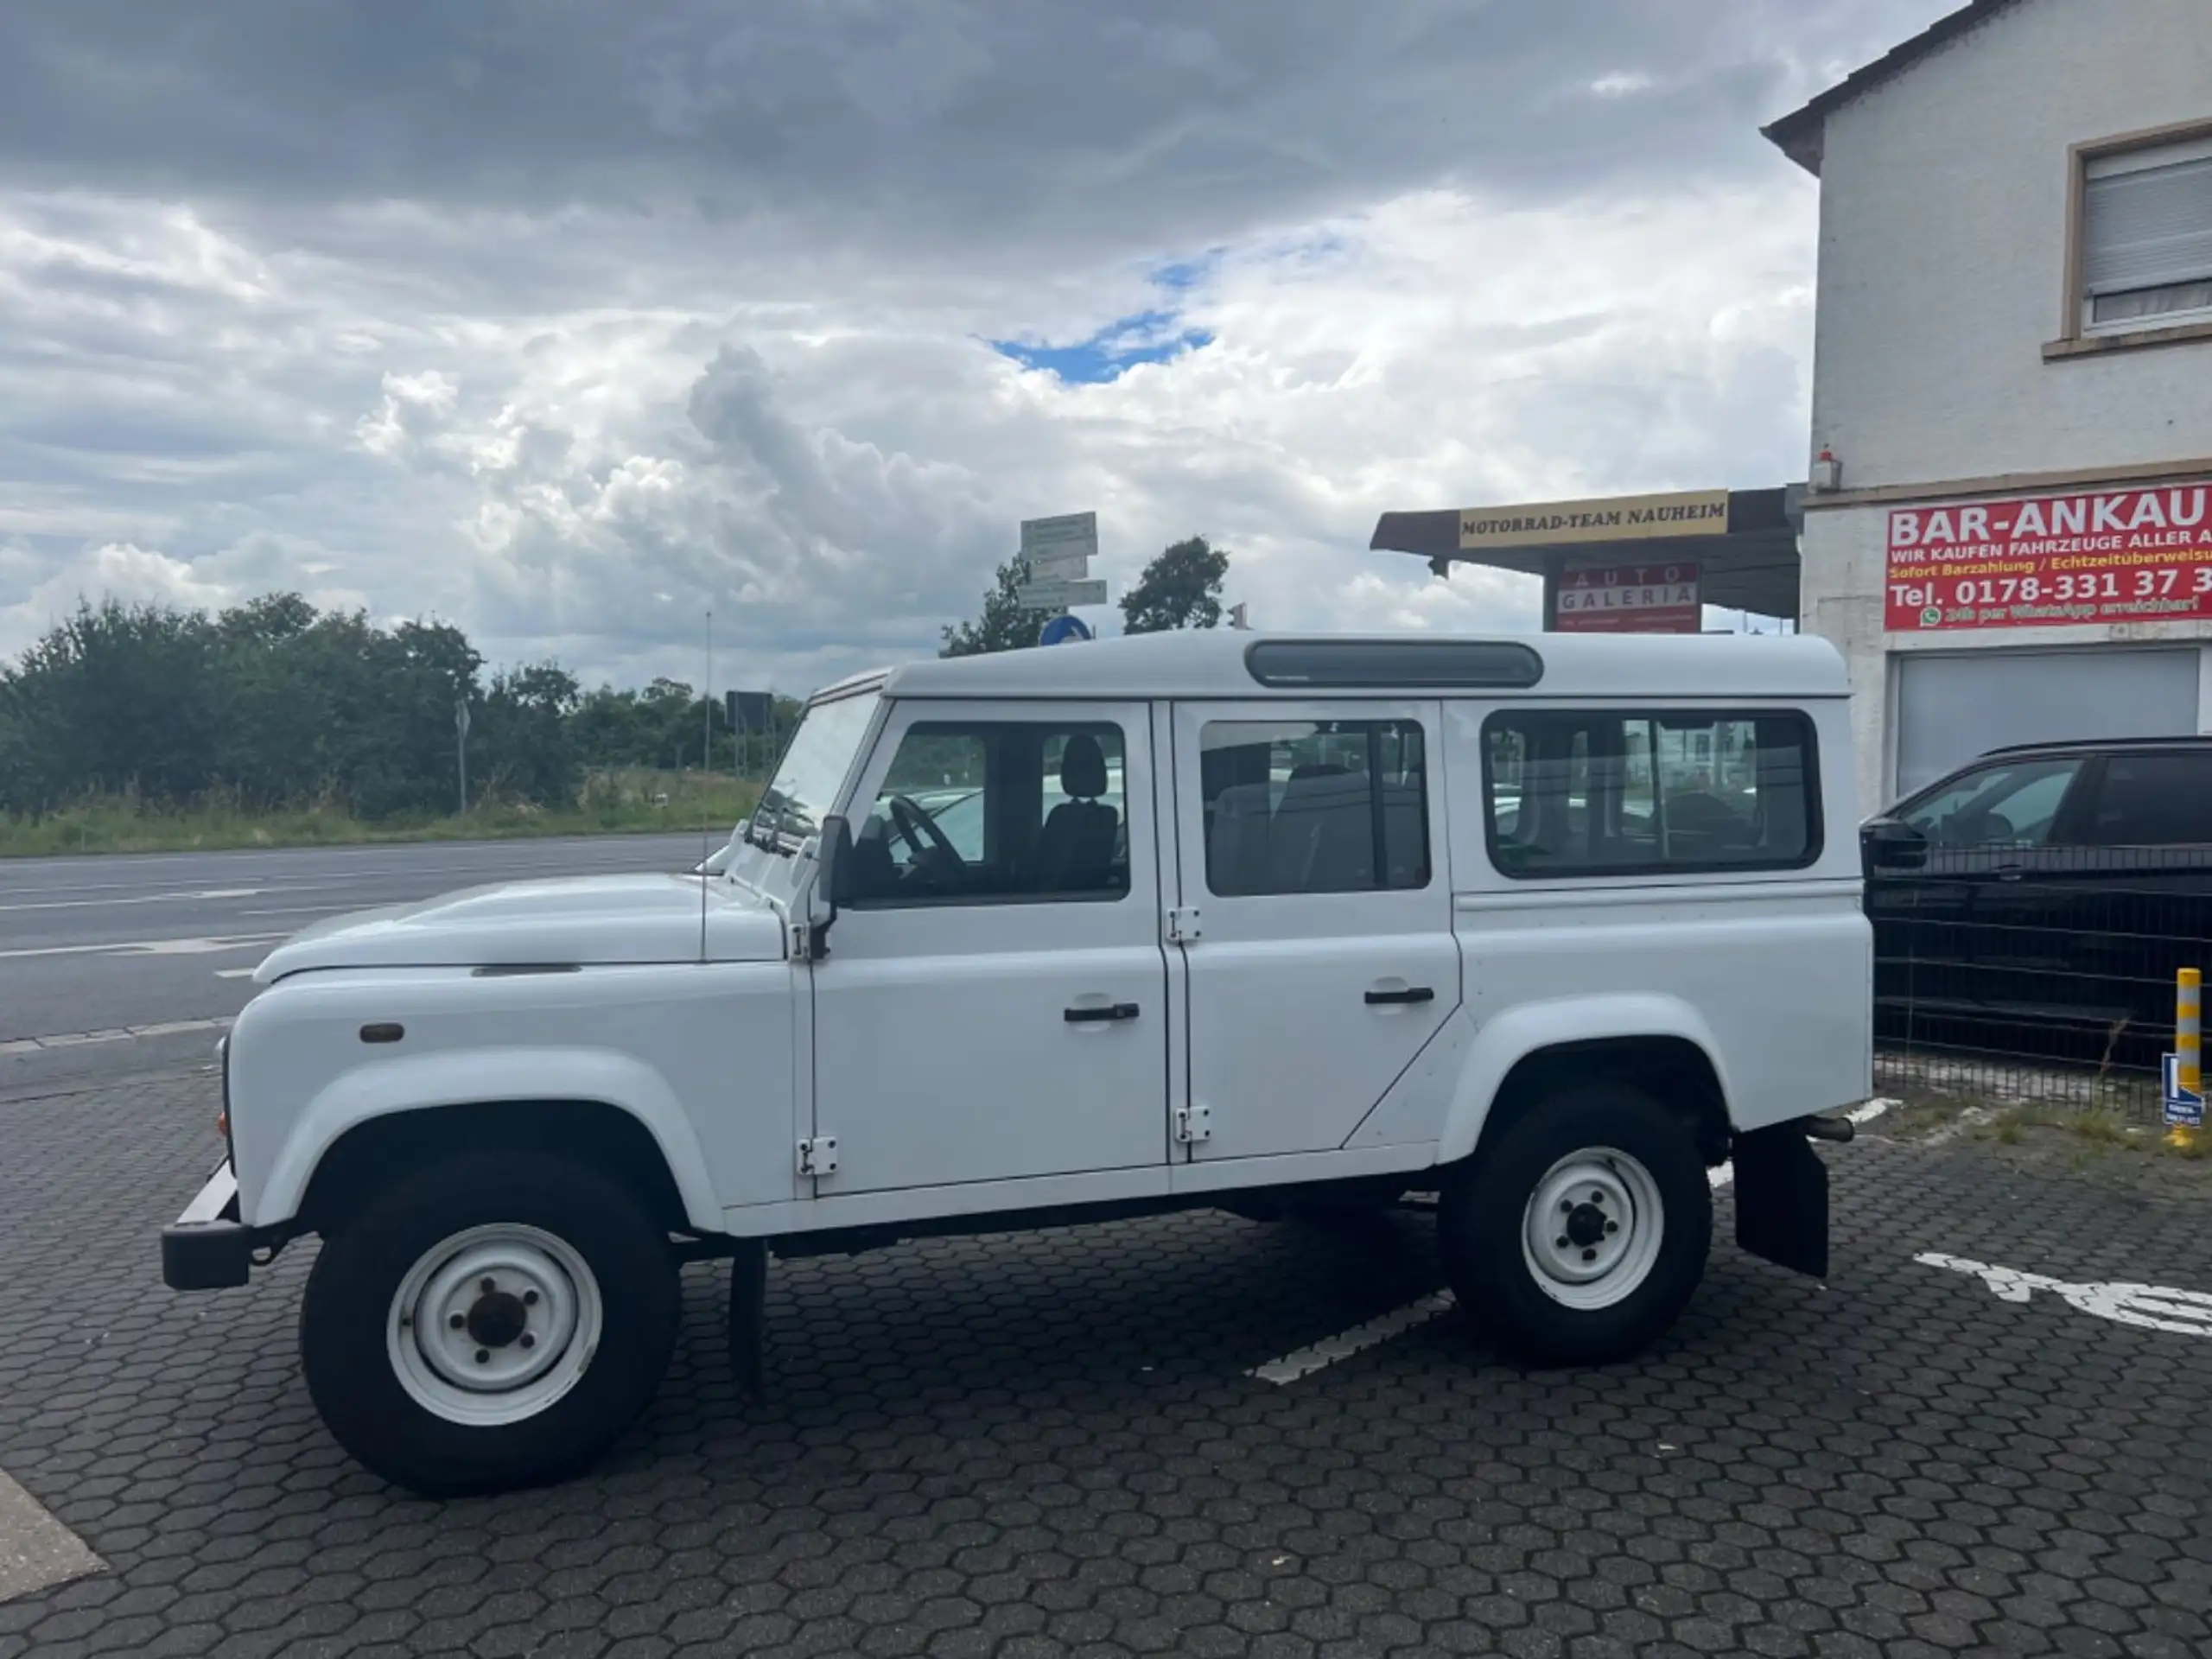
(2042, 976)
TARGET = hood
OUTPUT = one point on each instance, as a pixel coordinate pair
(592, 919)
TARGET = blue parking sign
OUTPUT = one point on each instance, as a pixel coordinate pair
(2184, 1110)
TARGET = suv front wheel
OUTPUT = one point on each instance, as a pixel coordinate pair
(1579, 1234)
(494, 1321)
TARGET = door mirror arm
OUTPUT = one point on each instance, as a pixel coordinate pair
(1892, 844)
(834, 876)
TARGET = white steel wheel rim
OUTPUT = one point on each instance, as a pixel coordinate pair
(1592, 1227)
(493, 1324)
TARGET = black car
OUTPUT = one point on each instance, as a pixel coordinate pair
(2037, 901)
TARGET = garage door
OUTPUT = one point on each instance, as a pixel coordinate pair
(1952, 709)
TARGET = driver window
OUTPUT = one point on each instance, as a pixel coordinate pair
(1003, 810)
(2013, 805)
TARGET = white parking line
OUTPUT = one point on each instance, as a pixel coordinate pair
(1721, 1176)
(1304, 1361)
(36, 1551)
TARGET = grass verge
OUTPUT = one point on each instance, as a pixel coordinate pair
(626, 802)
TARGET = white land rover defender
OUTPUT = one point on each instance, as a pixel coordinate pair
(1549, 927)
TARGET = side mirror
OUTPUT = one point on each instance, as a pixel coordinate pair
(1892, 844)
(834, 877)
(835, 874)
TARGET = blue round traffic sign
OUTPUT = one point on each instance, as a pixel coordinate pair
(1063, 631)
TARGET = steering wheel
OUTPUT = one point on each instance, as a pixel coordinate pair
(922, 833)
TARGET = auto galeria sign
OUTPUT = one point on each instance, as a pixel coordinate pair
(1629, 598)
(2109, 555)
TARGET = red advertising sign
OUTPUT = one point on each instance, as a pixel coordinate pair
(1629, 599)
(2112, 555)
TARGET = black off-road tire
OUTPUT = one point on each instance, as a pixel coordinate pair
(1481, 1215)
(347, 1310)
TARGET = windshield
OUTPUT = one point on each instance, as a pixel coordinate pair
(813, 770)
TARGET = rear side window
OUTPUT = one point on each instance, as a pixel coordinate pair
(1610, 792)
(2151, 800)
(1314, 806)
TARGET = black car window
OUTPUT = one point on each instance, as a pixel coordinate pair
(2152, 800)
(2010, 804)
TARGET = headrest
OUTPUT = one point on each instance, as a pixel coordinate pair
(1083, 767)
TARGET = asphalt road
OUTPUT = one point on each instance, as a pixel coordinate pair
(93, 947)
(1074, 1445)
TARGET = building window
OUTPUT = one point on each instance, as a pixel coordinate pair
(1607, 793)
(2145, 253)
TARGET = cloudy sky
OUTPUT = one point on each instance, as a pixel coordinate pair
(564, 320)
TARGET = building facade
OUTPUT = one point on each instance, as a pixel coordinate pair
(2009, 528)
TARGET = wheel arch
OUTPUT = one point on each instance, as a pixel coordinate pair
(1661, 1044)
(610, 1108)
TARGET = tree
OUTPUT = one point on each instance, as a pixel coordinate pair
(1181, 588)
(1005, 623)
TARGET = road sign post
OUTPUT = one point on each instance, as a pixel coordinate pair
(460, 746)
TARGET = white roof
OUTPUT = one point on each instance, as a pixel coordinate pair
(1211, 664)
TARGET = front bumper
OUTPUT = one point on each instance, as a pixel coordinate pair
(208, 1248)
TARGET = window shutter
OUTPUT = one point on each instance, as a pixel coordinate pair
(2148, 227)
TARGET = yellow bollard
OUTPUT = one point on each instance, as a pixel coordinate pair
(2189, 1042)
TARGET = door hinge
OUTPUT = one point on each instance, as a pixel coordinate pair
(819, 1156)
(802, 941)
(1183, 926)
(1193, 1123)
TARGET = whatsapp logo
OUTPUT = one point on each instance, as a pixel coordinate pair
(1929, 616)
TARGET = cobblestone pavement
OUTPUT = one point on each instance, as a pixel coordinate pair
(1050, 1444)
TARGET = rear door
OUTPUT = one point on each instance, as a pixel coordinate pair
(1311, 844)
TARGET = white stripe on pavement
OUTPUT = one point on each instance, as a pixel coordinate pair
(1873, 1108)
(1304, 1361)
(148, 947)
(36, 1551)
(113, 1034)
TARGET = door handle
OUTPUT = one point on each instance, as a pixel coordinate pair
(1098, 1016)
(1411, 993)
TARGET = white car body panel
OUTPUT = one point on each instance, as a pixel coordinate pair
(929, 1041)
(700, 1054)
(589, 920)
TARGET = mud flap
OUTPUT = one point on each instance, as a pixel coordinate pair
(1781, 1199)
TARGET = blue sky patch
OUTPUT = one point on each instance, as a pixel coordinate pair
(1141, 337)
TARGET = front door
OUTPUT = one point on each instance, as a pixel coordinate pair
(1312, 843)
(993, 1006)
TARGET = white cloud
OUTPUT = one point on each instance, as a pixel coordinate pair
(721, 341)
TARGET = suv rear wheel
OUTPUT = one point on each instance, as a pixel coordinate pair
(492, 1321)
(1580, 1233)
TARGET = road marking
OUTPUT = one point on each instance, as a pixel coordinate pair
(1306, 1361)
(1720, 1177)
(310, 910)
(113, 1034)
(179, 897)
(235, 973)
(148, 947)
(36, 1551)
(1303, 1362)
(2151, 1307)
